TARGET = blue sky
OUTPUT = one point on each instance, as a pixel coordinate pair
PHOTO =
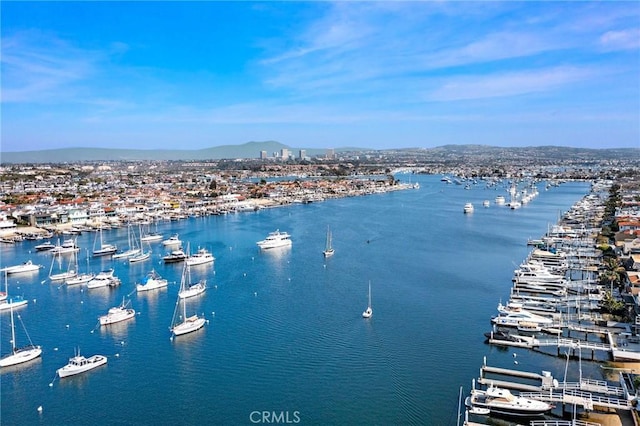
(386, 74)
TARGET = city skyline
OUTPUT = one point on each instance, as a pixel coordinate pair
(378, 75)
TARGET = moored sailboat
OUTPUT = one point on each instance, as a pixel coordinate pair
(328, 250)
(81, 278)
(103, 249)
(183, 324)
(62, 274)
(192, 290)
(368, 312)
(23, 354)
(13, 302)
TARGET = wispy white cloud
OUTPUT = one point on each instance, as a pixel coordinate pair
(39, 67)
(621, 40)
(509, 84)
(382, 49)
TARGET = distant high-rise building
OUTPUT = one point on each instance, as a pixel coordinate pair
(303, 154)
(263, 155)
(284, 153)
(331, 154)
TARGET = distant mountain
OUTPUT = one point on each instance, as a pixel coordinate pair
(253, 149)
(71, 155)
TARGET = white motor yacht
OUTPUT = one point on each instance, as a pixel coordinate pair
(117, 314)
(275, 239)
(151, 282)
(171, 241)
(27, 266)
(200, 258)
(103, 279)
(502, 401)
(79, 364)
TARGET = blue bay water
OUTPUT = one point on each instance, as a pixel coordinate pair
(285, 330)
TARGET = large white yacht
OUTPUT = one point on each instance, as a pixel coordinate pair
(502, 401)
(514, 315)
(103, 279)
(201, 257)
(275, 239)
(27, 266)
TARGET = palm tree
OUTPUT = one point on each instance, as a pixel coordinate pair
(614, 273)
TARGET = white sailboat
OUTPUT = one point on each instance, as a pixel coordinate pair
(142, 254)
(23, 354)
(81, 278)
(151, 236)
(181, 323)
(368, 312)
(192, 290)
(14, 302)
(133, 248)
(103, 249)
(328, 250)
(62, 274)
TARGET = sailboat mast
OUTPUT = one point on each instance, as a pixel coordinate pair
(13, 331)
(369, 293)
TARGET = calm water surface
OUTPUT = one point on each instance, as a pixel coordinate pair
(285, 331)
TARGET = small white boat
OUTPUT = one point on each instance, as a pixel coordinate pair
(172, 241)
(175, 256)
(500, 200)
(154, 236)
(19, 355)
(117, 314)
(103, 279)
(79, 364)
(275, 239)
(46, 246)
(368, 312)
(328, 249)
(152, 281)
(200, 258)
(27, 266)
(14, 301)
(468, 208)
(486, 203)
(67, 246)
